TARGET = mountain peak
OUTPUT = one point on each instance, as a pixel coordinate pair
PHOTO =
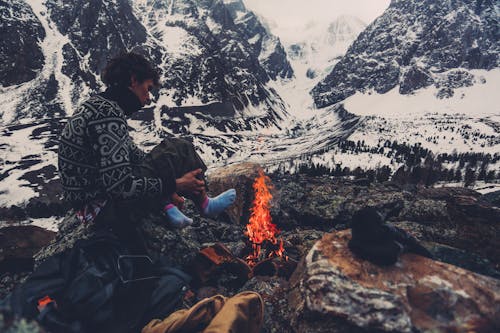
(412, 45)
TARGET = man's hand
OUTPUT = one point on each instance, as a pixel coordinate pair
(177, 200)
(189, 184)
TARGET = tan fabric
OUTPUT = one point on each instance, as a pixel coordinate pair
(242, 313)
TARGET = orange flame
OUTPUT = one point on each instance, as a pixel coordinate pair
(260, 227)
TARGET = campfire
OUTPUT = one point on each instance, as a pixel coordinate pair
(265, 255)
(260, 229)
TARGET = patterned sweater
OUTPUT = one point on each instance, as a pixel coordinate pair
(97, 155)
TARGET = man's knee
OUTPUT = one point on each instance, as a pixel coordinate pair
(179, 144)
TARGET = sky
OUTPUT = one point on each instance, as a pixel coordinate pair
(287, 13)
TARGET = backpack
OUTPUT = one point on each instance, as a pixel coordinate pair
(380, 243)
(97, 286)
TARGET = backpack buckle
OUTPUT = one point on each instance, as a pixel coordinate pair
(137, 265)
(44, 301)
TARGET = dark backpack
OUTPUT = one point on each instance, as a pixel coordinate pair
(97, 286)
(380, 243)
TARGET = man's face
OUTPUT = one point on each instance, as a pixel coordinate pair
(142, 89)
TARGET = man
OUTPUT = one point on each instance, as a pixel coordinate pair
(107, 179)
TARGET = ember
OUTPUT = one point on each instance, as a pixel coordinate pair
(260, 228)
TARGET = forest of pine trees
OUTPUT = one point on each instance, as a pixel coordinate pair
(418, 165)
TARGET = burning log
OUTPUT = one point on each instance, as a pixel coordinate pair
(216, 258)
(275, 267)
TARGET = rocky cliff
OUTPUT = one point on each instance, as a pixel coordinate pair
(208, 51)
(416, 44)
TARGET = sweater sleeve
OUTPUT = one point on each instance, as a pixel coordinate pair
(113, 147)
(137, 155)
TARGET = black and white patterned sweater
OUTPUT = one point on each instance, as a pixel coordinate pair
(97, 155)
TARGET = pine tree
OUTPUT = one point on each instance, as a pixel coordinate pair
(470, 177)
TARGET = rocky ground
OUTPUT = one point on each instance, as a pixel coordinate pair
(331, 290)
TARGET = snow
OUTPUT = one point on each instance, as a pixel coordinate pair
(52, 49)
(268, 47)
(282, 14)
(458, 123)
(179, 42)
(321, 46)
(213, 26)
(485, 188)
(13, 189)
(254, 39)
(11, 97)
(49, 223)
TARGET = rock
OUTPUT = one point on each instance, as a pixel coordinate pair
(240, 177)
(276, 310)
(297, 243)
(180, 246)
(426, 211)
(308, 202)
(414, 78)
(70, 230)
(445, 93)
(386, 54)
(445, 193)
(325, 202)
(335, 288)
(457, 217)
(463, 259)
(492, 197)
(19, 244)
(21, 56)
(8, 281)
(12, 324)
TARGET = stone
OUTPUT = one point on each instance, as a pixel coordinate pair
(426, 211)
(70, 231)
(240, 177)
(416, 294)
(326, 202)
(19, 244)
(273, 292)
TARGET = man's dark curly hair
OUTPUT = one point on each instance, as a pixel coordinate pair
(120, 69)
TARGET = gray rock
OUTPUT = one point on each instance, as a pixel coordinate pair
(411, 44)
(21, 57)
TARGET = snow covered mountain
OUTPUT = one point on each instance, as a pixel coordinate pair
(209, 51)
(416, 44)
(319, 46)
(219, 66)
(418, 74)
(313, 49)
(423, 73)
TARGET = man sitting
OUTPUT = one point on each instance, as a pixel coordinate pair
(107, 179)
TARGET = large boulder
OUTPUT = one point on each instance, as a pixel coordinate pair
(19, 244)
(178, 245)
(456, 217)
(327, 203)
(344, 293)
(240, 177)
